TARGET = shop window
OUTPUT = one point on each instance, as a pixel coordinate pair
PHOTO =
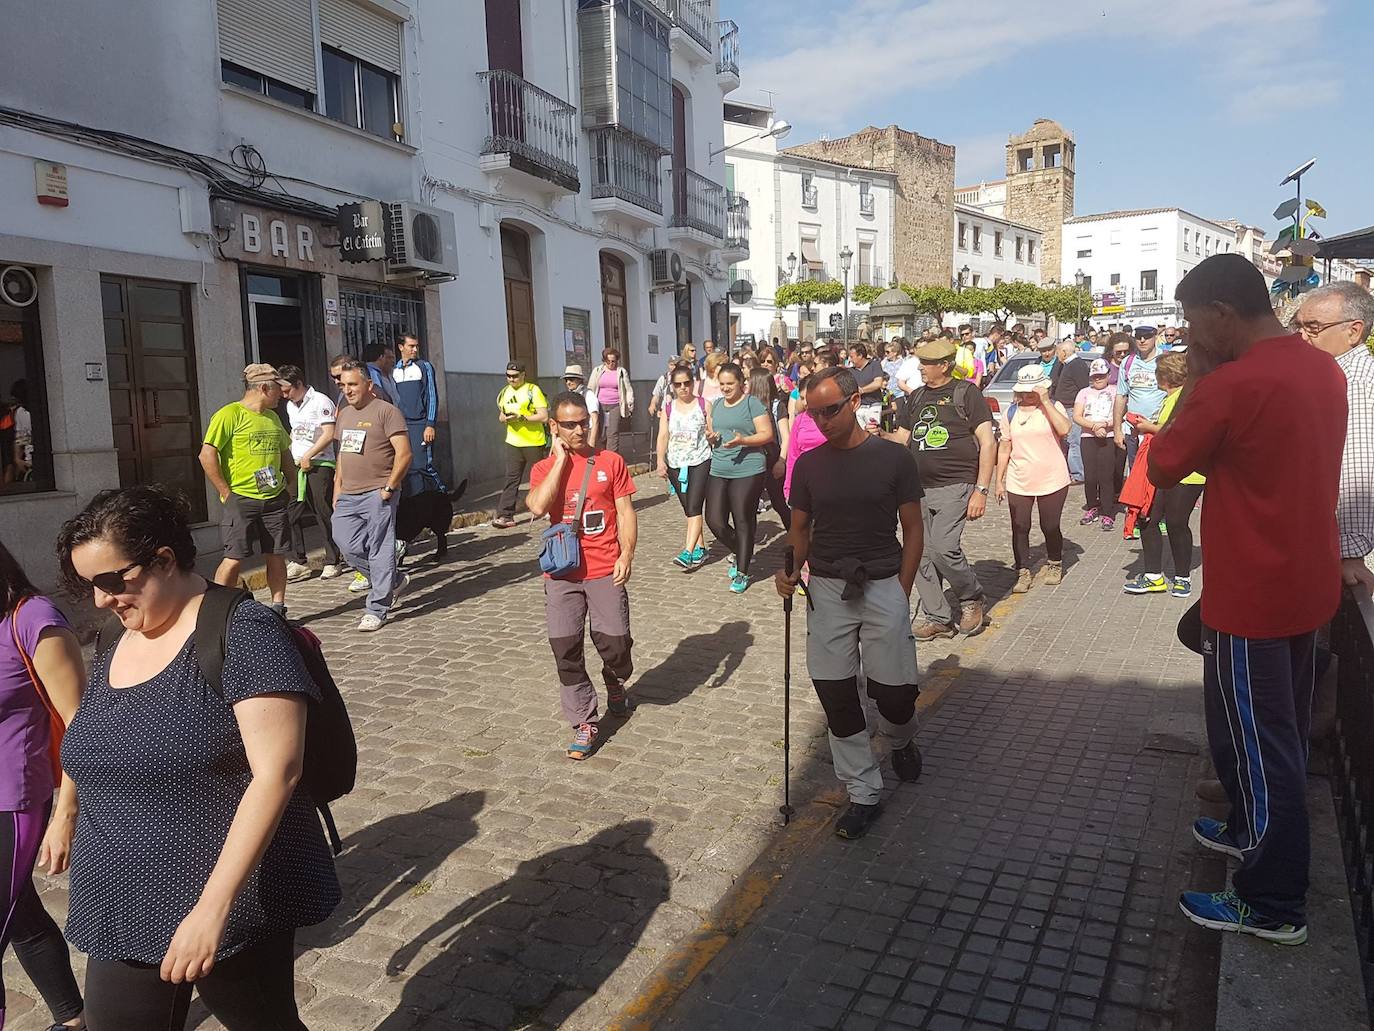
(25, 444)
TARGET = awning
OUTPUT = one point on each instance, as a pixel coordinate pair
(811, 255)
(1359, 244)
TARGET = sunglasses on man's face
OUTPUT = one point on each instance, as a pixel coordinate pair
(830, 411)
(113, 582)
(574, 424)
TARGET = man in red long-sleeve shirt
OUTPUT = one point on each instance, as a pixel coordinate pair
(1263, 418)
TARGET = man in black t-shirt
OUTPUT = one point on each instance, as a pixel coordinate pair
(947, 424)
(847, 498)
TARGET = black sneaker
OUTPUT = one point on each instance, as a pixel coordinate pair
(616, 702)
(855, 822)
(906, 762)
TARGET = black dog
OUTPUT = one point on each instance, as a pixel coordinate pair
(431, 510)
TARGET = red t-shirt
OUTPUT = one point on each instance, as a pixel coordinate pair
(610, 480)
(1267, 431)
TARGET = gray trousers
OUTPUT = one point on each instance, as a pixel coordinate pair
(944, 510)
(567, 606)
(365, 531)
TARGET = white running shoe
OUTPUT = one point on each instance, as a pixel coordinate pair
(369, 623)
(329, 572)
(297, 571)
(360, 584)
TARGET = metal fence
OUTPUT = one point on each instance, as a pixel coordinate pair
(727, 61)
(694, 18)
(1352, 776)
(698, 203)
(538, 130)
(626, 167)
(367, 318)
(736, 221)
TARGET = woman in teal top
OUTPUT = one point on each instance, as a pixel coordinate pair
(739, 430)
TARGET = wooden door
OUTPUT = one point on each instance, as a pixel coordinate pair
(614, 308)
(154, 408)
(519, 289)
(679, 153)
(506, 52)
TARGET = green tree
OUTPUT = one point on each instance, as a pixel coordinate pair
(975, 300)
(864, 293)
(1067, 303)
(1016, 298)
(934, 301)
(808, 292)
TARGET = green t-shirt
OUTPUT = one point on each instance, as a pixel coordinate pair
(520, 402)
(250, 446)
(732, 463)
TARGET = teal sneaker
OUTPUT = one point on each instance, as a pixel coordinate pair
(1224, 911)
(732, 568)
(739, 582)
(1143, 584)
(683, 559)
(698, 557)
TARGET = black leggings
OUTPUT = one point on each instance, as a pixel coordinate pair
(776, 497)
(252, 990)
(1051, 511)
(1103, 462)
(735, 501)
(694, 497)
(1174, 506)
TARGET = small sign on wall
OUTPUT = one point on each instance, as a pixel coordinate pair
(50, 184)
(331, 311)
(95, 371)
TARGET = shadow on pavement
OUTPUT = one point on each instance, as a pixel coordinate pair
(700, 660)
(530, 950)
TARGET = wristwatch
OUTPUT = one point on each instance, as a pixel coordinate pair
(982, 490)
(389, 489)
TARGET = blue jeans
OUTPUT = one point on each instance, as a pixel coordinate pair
(1075, 454)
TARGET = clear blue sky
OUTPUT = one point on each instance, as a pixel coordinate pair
(1199, 104)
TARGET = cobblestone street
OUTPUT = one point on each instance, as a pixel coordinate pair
(1026, 881)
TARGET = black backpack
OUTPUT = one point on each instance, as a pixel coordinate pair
(331, 752)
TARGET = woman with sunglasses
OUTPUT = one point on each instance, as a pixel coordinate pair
(1033, 473)
(775, 466)
(1120, 346)
(38, 652)
(197, 854)
(739, 430)
(684, 459)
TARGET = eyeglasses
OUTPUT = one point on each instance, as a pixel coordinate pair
(1121, 354)
(830, 411)
(113, 582)
(574, 424)
(336, 377)
(1316, 329)
(682, 383)
(512, 375)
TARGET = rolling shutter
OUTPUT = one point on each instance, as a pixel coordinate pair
(273, 37)
(362, 32)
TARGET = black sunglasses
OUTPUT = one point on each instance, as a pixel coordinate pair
(573, 424)
(830, 411)
(512, 375)
(114, 582)
(682, 383)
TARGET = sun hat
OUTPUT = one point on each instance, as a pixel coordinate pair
(573, 372)
(1030, 377)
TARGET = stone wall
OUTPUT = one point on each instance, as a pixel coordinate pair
(1043, 196)
(923, 233)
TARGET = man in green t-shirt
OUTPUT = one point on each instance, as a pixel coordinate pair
(247, 457)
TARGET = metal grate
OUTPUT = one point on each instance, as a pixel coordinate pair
(369, 317)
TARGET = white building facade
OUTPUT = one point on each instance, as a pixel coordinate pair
(181, 218)
(803, 213)
(989, 249)
(1131, 261)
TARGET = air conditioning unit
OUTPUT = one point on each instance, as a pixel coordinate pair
(420, 239)
(666, 266)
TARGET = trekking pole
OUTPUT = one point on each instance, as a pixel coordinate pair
(786, 807)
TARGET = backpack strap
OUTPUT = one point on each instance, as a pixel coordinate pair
(212, 631)
(961, 389)
(582, 496)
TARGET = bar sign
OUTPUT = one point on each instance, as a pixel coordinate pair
(50, 183)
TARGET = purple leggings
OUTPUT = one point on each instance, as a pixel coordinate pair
(21, 832)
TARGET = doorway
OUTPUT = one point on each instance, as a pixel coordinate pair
(519, 283)
(154, 408)
(682, 304)
(276, 331)
(614, 307)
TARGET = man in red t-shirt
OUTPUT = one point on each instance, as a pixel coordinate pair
(597, 587)
(1263, 418)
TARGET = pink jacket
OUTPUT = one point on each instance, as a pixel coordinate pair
(805, 436)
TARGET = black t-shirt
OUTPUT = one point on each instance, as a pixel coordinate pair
(863, 377)
(853, 496)
(942, 421)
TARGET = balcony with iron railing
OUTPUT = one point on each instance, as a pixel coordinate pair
(736, 223)
(529, 130)
(698, 204)
(727, 58)
(693, 18)
(626, 168)
(810, 197)
(865, 204)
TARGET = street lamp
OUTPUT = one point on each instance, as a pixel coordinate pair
(959, 280)
(846, 256)
(775, 129)
(1078, 278)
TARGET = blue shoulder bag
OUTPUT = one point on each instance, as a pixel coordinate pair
(560, 550)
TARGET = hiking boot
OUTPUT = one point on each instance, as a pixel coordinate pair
(1212, 834)
(1143, 584)
(360, 584)
(906, 762)
(1088, 517)
(1024, 579)
(1224, 911)
(972, 618)
(617, 704)
(857, 819)
(1053, 575)
(329, 572)
(931, 630)
(1209, 790)
(297, 571)
(583, 742)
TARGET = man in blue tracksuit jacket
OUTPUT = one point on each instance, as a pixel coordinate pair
(418, 399)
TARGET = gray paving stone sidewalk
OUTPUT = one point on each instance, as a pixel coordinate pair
(1029, 880)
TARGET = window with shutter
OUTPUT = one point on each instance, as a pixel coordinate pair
(275, 38)
(363, 32)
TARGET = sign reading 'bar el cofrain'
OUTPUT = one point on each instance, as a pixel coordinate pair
(362, 231)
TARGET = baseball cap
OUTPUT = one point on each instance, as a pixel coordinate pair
(1099, 367)
(260, 374)
(1145, 332)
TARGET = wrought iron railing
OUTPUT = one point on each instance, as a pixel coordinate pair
(727, 60)
(537, 129)
(694, 18)
(865, 204)
(1352, 775)
(736, 221)
(625, 166)
(698, 203)
(810, 196)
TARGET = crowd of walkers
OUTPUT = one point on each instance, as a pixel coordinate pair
(173, 777)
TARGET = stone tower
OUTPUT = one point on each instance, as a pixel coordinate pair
(923, 230)
(1040, 170)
